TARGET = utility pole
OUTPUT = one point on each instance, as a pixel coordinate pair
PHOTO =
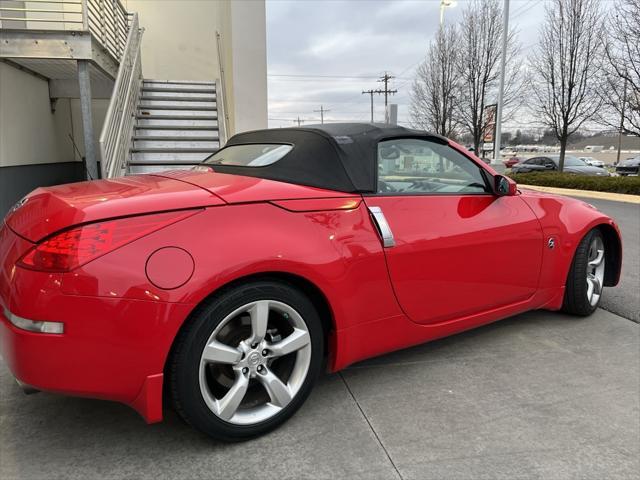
(298, 120)
(371, 92)
(624, 104)
(503, 62)
(322, 110)
(385, 79)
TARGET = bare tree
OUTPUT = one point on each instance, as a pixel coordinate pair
(478, 66)
(621, 92)
(434, 89)
(567, 71)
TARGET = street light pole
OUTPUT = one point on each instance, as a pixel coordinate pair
(624, 102)
(503, 63)
(444, 4)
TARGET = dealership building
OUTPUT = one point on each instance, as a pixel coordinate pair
(103, 88)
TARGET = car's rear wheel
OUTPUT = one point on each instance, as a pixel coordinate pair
(247, 360)
(586, 276)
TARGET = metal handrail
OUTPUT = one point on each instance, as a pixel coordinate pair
(115, 138)
(107, 20)
(221, 96)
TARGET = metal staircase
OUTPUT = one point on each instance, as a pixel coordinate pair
(154, 125)
(176, 125)
(92, 49)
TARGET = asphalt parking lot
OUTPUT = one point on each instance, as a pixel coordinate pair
(625, 298)
(539, 395)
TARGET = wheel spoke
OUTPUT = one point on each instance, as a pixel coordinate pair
(598, 258)
(259, 313)
(597, 286)
(293, 342)
(216, 352)
(228, 405)
(278, 392)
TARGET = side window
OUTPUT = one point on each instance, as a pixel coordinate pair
(412, 166)
(533, 161)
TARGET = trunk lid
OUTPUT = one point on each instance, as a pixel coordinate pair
(50, 209)
(241, 189)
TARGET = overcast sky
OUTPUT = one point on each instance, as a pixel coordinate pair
(325, 52)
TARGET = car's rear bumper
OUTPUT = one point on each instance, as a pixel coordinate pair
(112, 349)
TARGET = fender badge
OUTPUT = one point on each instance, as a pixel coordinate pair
(551, 243)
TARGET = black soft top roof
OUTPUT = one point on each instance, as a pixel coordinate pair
(335, 156)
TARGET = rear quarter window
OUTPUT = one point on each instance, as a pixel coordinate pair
(249, 155)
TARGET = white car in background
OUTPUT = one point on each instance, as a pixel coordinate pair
(592, 161)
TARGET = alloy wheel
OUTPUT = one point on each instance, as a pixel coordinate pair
(595, 270)
(255, 362)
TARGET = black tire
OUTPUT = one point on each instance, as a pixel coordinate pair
(576, 299)
(184, 386)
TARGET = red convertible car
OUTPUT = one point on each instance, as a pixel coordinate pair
(224, 290)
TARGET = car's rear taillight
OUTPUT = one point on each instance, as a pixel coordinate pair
(75, 247)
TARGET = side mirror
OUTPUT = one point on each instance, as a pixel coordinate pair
(504, 186)
(549, 166)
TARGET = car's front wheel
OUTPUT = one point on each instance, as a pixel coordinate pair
(247, 360)
(586, 275)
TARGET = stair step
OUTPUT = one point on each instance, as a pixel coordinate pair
(179, 82)
(176, 138)
(175, 156)
(172, 150)
(183, 98)
(141, 168)
(180, 145)
(180, 123)
(177, 133)
(175, 127)
(173, 89)
(193, 108)
(176, 117)
(164, 163)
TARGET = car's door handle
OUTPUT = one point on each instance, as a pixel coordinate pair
(384, 230)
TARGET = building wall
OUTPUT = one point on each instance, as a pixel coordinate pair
(35, 148)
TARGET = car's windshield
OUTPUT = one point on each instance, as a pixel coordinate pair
(249, 155)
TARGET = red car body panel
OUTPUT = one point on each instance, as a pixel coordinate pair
(47, 210)
(458, 264)
(437, 237)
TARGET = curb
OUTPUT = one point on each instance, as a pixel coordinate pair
(614, 197)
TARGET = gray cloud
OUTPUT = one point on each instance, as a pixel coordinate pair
(362, 38)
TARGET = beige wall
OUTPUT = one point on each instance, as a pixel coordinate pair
(29, 132)
(248, 65)
(179, 43)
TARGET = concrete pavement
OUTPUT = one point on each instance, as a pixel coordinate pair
(539, 395)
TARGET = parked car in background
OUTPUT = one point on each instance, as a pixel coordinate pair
(592, 161)
(550, 163)
(630, 166)
(226, 289)
(511, 161)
